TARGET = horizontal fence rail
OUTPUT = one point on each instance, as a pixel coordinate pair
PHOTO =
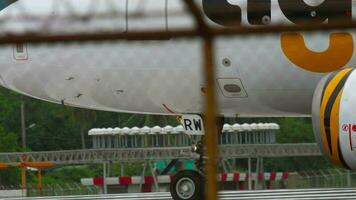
(141, 154)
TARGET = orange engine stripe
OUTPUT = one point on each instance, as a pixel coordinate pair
(325, 98)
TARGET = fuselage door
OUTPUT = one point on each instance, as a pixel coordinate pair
(20, 51)
(231, 88)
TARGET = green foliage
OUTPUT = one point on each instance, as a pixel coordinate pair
(292, 130)
(9, 111)
(60, 127)
(295, 130)
(10, 176)
(8, 143)
(69, 174)
(296, 163)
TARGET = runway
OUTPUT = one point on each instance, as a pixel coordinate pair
(295, 194)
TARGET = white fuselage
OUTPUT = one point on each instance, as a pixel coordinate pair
(159, 76)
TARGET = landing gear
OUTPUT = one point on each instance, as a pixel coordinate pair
(190, 184)
(199, 162)
(187, 185)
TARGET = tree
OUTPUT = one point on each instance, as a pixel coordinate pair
(84, 118)
(8, 143)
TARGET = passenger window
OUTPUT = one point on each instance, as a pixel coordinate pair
(232, 88)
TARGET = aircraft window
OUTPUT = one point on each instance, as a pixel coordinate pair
(232, 88)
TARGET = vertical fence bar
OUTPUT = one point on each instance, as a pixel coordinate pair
(39, 184)
(23, 181)
(210, 120)
(249, 173)
(104, 177)
(348, 174)
(257, 172)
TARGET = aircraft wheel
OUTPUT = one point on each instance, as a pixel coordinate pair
(187, 185)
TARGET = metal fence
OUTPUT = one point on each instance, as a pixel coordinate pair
(54, 189)
(328, 178)
(168, 136)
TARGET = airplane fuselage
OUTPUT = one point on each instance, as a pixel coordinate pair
(256, 75)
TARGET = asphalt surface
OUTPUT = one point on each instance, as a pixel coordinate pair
(295, 194)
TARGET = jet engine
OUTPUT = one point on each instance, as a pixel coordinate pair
(334, 117)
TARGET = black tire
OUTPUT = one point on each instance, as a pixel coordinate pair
(187, 178)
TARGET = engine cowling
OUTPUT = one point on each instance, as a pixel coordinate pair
(334, 117)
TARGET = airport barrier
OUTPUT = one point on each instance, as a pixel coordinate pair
(10, 193)
(229, 181)
(261, 133)
(323, 178)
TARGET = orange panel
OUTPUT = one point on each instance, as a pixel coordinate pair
(36, 164)
(3, 165)
(338, 54)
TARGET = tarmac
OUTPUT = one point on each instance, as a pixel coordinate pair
(292, 194)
